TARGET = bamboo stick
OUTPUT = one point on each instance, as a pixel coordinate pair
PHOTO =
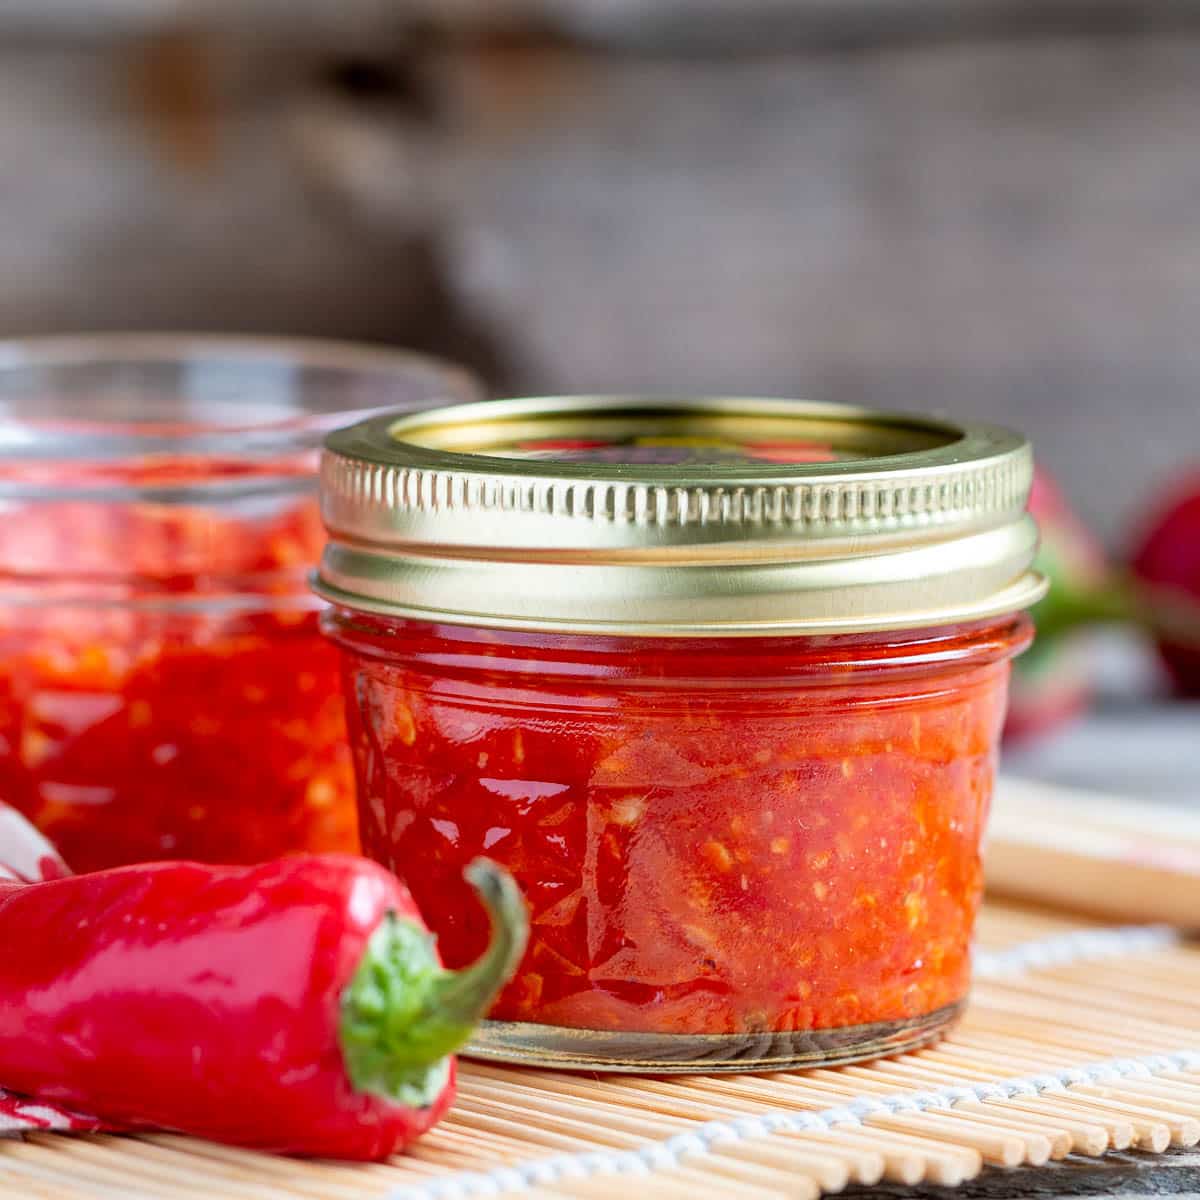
(1076, 850)
(949, 1161)
(49, 1170)
(943, 1163)
(1061, 1139)
(105, 1161)
(585, 1138)
(618, 1136)
(857, 1165)
(829, 1172)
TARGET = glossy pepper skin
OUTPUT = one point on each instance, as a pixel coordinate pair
(297, 1007)
(1166, 570)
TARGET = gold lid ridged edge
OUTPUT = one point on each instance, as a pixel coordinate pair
(969, 494)
(430, 520)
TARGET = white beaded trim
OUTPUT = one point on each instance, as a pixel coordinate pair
(668, 1153)
(1078, 946)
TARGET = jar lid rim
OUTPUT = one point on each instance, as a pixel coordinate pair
(880, 513)
(478, 439)
(78, 410)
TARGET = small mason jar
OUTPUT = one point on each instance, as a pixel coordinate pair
(720, 681)
(164, 690)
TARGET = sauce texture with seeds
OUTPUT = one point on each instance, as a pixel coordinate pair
(164, 689)
(713, 836)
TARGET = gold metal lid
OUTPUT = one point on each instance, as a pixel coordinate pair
(677, 517)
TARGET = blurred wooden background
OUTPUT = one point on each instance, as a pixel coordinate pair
(978, 207)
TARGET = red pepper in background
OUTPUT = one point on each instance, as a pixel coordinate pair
(298, 1007)
(1166, 569)
(1160, 593)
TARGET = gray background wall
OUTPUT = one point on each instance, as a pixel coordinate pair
(982, 208)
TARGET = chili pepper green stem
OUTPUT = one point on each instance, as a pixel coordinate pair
(403, 1014)
(1066, 608)
(1165, 612)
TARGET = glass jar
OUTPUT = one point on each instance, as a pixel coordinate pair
(164, 690)
(720, 682)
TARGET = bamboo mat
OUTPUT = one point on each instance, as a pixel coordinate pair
(1080, 1037)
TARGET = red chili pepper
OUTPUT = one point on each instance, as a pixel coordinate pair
(299, 1006)
(1166, 567)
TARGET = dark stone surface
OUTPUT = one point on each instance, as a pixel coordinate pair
(1117, 1174)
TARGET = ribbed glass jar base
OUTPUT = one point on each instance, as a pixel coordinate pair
(528, 1044)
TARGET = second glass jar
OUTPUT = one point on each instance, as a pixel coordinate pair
(164, 690)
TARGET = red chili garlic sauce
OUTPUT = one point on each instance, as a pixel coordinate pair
(164, 689)
(714, 836)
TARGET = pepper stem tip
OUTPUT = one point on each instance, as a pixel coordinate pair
(403, 1013)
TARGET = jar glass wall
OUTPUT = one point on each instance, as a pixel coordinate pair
(720, 680)
(164, 691)
(762, 849)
